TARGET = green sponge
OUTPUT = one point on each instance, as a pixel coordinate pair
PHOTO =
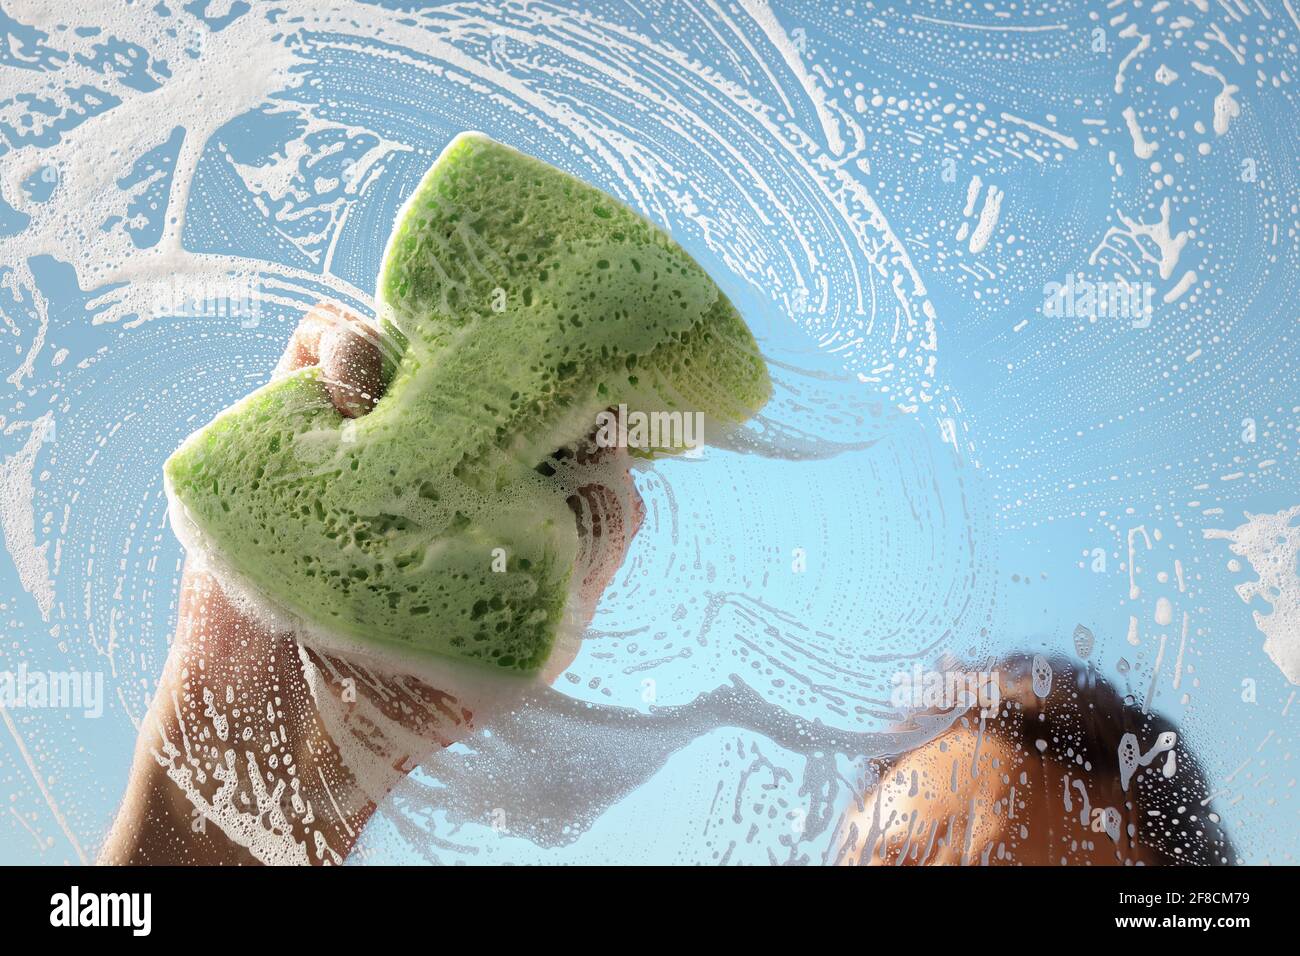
(519, 303)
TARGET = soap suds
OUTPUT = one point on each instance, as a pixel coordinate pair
(1270, 543)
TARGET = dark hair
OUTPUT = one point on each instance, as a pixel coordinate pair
(1132, 763)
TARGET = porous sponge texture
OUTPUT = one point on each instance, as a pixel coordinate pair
(518, 303)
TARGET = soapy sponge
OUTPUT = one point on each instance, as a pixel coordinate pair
(517, 304)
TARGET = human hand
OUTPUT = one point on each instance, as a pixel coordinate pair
(259, 747)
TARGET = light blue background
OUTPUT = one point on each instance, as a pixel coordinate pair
(1068, 432)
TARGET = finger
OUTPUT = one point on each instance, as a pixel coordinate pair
(303, 349)
(348, 353)
(352, 366)
(608, 519)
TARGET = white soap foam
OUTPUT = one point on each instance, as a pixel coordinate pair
(1271, 545)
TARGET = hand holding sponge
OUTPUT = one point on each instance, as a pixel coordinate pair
(516, 304)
